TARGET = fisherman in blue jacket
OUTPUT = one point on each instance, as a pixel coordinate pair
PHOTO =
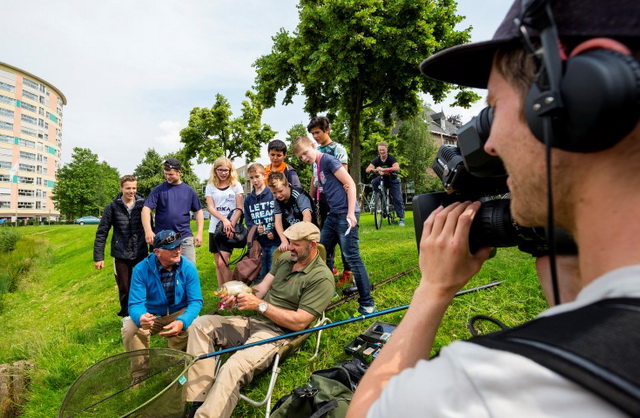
(164, 298)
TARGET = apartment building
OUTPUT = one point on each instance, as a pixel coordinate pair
(31, 112)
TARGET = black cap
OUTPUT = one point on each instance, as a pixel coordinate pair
(172, 164)
(470, 65)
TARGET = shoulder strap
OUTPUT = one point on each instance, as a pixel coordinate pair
(597, 347)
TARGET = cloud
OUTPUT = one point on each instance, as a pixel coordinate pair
(169, 139)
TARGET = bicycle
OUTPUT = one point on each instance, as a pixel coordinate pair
(366, 200)
(383, 206)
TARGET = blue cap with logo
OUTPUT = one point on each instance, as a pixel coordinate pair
(167, 239)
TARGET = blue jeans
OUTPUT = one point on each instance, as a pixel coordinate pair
(267, 256)
(394, 190)
(333, 231)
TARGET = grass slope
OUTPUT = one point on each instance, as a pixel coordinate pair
(63, 314)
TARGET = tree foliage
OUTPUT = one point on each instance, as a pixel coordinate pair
(150, 172)
(351, 55)
(214, 132)
(84, 186)
(417, 148)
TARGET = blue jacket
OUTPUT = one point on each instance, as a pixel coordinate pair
(147, 295)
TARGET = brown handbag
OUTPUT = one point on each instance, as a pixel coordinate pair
(248, 267)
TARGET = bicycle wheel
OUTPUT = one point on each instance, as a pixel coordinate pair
(377, 209)
(391, 213)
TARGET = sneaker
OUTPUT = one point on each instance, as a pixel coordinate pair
(401, 222)
(364, 310)
(335, 271)
(347, 277)
(348, 291)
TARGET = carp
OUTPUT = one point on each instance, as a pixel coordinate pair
(232, 288)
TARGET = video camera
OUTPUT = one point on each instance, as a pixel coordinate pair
(469, 173)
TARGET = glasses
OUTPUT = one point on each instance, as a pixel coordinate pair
(170, 239)
(222, 170)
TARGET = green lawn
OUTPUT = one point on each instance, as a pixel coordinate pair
(63, 315)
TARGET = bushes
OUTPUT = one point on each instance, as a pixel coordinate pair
(8, 239)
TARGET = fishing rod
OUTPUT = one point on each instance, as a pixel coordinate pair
(333, 324)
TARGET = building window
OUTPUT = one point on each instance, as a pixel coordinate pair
(25, 205)
(6, 125)
(39, 181)
(28, 132)
(27, 155)
(5, 165)
(4, 177)
(30, 83)
(27, 167)
(6, 152)
(25, 180)
(6, 112)
(38, 205)
(41, 111)
(5, 191)
(7, 87)
(26, 143)
(5, 205)
(29, 119)
(7, 100)
(30, 95)
(26, 192)
(44, 194)
(6, 139)
(29, 107)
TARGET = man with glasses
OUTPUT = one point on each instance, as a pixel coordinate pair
(164, 298)
(173, 201)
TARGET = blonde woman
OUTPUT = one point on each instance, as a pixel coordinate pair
(223, 194)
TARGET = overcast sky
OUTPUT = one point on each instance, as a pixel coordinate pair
(132, 70)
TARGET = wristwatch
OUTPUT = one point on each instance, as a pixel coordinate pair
(262, 307)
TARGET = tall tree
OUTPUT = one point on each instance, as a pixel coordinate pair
(350, 55)
(84, 186)
(417, 149)
(213, 132)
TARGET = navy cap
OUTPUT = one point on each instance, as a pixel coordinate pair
(167, 239)
(470, 65)
(172, 164)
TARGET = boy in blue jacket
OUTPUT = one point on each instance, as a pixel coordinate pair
(258, 210)
(164, 298)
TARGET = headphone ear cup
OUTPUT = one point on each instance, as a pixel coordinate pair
(600, 90)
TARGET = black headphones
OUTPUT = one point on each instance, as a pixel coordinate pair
(592, 99)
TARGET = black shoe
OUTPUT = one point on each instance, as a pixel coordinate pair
(348, 291)
(194, 408)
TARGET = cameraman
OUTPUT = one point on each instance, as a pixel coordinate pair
(595, 197)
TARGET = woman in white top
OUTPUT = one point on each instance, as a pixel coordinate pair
(223, 194)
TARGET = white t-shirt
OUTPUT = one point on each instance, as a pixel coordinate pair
(469, 380)
(223, 199)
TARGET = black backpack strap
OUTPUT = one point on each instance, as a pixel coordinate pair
(596, 346)
(324, 409)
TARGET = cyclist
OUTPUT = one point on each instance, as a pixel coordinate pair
(386, 165)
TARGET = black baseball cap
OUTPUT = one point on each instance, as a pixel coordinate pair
(172, 164)
(470, 65)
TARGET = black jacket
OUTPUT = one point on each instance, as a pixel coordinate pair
(128, 241)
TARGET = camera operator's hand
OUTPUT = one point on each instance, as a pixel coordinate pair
(445, 261)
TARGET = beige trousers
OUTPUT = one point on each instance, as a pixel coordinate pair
(135, 338)
(221, 394)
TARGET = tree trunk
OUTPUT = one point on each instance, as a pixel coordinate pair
(354, 139)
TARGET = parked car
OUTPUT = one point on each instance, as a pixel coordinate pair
(87, 220)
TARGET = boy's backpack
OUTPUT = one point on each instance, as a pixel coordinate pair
(314, 205)
(594, 346)
(327, 393)
(249, 265)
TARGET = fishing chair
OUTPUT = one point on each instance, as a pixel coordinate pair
(288, 349)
